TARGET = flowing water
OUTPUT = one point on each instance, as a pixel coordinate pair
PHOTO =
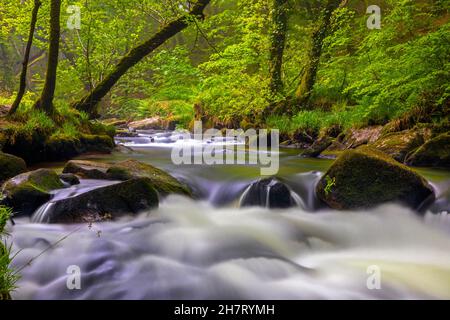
(209, 248)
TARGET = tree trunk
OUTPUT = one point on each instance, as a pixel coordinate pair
(303, 92)
(45, 102)
(278, 41)
(26, 58)
(89, 102)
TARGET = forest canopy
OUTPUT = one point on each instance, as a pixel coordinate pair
(287, 64)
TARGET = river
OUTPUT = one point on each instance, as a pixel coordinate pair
(209, 248)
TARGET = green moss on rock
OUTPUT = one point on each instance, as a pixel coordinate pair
(27, 191)
(434, 153)
(366, 177)
(163, 182)
(104, 203)
(11, 166)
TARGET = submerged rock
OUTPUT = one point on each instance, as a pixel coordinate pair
(269, 193)
(104, 203)
(163, 182)
(27, 191)
(366, 177)
(434, 153)
(11, 166)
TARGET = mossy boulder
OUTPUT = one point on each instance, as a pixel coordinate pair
(28, 191)
(366, 177)
(399, 144)
(434, 153)
(163, 182)
(101, 204)
(11, 166)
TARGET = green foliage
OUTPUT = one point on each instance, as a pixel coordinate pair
(331, 182)
(7, 276)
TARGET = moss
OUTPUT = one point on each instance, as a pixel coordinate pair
(26, 192)
(97, 143)
(162, 181)
(366, 177)
(435, 152)
(10, 166)
(98, 128)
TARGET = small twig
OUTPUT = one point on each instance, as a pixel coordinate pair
(51, 246)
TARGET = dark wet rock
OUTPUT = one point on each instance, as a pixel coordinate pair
(433, 153)
(11, 166)
(317, 147)
(268, 192)
(87, 169)
(104, 203)
(26, 192)
(69, 178)
(163, 182)
(366, 177)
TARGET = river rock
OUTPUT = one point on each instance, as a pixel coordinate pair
(434, 153)
(354, 138)
(10, 166)
(163, 182)
(69, 178)
(27, 191)
(149, 123)
(268, 192)
(366, 177)
(317, 147)
(399, 144)
(104, 203)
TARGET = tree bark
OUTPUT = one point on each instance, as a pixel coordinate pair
(89, 102)
(45, 102)
(303, 92)
(278, 42)
(26, 58)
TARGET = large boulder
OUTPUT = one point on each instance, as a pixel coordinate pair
(11, 166)
(28, 191)
(366, 177)
(434, 153)
(399, 144)
(163, 182)
(104, 203)
(268, 192)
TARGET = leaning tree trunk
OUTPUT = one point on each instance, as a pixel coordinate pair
(45, 102)
(89, 102)
(26, 58)
(303, 92)
(277, 44)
